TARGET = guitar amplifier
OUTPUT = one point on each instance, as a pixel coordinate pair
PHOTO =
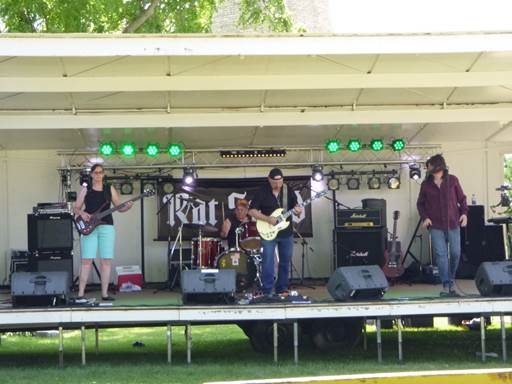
(348, 218)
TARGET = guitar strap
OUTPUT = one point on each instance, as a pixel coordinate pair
(285, 197)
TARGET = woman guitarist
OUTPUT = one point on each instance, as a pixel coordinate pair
(92, 199)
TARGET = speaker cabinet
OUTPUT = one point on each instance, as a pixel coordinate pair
(473, 236)
(494, 278)
(357, 283)
(364, 246)
(50, 233)
(39, 288)
(208, 285)
(494, 243)
(54, 265)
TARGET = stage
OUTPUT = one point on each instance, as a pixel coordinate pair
(164, 308)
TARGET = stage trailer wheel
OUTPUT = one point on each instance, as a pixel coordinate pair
(336, 334)
(261, 335)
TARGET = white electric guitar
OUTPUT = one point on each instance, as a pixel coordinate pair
(269, 232)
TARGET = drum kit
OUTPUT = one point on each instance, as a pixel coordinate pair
(245, 258)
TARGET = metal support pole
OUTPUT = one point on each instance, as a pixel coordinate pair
(365, 336)
(379, 341)
(482, 337)
(97, 339)
(275, 342)
(400, 350)
(503, 338)
(296, 341)
(61, 348)
(82, 344)
(189, 343)
(169, 344)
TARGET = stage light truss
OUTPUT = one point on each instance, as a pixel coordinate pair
(245, 153)
(296, 157)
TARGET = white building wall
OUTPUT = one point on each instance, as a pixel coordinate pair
(28, 177)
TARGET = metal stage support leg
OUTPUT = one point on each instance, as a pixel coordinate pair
(296, 342)
(275, 342)
(0, 338)
(379, 341)
(97, 340)
(482, 337)
(82, 344)
(400, 350)
(503, 338)
(365, 336)
(188, 332)
(61, 348)
(169, 344)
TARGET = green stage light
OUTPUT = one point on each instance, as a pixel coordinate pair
(398, 144)
(332, 145)
(106, 149)
(128, 150)
(152, 150)
(175, 149)
(377, 145)
(354, 145)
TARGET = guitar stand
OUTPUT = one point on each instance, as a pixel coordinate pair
(73, 285)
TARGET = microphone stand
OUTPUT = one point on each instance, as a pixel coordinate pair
(170, 250)
(305, 247)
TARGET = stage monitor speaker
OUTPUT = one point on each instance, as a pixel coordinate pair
(50, 233)
(208, 285)
(54, 265)
(357, 283)
(363, 246)
(39, 288)
(494, 278)
(377, 204)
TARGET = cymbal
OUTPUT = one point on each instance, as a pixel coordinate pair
(203, 227)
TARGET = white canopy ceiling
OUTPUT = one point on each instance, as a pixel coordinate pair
(70, 92)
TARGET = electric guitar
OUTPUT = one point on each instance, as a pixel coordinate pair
(269, 232)
(393, 267)
(86, 227)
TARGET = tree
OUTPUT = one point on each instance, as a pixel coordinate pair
(133, 16)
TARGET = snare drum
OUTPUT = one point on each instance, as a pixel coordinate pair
(249, 237)
(210, 249)
(243, 264)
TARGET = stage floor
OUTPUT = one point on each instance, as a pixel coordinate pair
(316, 290)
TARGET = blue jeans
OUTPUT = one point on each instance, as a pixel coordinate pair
(285, 247)
(441, 240)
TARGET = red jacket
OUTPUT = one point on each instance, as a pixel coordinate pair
(443, 205)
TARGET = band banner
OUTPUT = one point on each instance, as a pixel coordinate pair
(209, 201)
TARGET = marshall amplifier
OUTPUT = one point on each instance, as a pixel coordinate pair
(358, 218)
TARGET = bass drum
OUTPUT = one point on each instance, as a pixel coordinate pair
(243, 265)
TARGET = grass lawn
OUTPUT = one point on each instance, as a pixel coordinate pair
(223, 352)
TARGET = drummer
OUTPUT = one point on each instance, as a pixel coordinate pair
(238, 217)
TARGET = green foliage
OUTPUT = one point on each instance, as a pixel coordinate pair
(141, 16)
(270, 14)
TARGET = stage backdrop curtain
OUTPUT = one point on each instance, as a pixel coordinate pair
(210, 197)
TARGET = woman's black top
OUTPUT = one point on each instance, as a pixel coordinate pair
(94, 200)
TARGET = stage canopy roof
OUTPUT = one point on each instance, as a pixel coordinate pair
(73, 91)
